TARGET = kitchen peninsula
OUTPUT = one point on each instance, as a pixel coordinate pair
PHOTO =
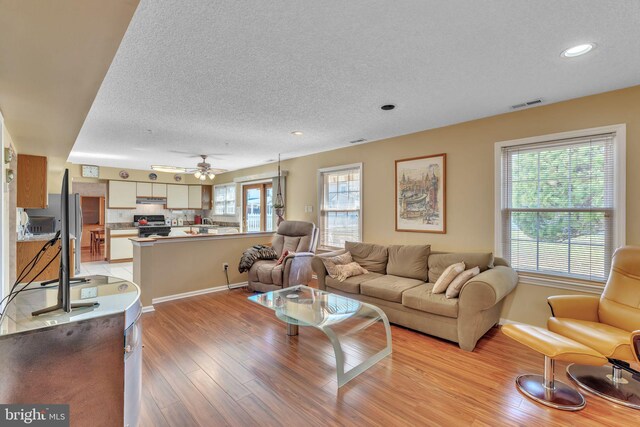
(173, 267)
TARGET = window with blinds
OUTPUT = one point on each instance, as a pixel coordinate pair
(224, 199)
(340, 205)
(558, 206)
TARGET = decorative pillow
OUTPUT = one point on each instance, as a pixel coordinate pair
(332, 262)
(447, 277)
(283, 256)
(456, 285)
(347, 270)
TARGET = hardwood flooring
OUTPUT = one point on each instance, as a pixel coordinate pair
(219, 359)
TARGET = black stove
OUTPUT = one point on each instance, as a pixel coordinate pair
(155, 225)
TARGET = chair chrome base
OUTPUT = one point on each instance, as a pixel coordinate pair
(608, 382)
(561, 396)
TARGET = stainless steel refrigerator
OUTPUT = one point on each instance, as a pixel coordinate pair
(75, 220)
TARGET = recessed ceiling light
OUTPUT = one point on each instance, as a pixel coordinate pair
(297, 133)
(388, 107)
(578, 50)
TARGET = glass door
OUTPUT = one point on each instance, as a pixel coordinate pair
(257, 214)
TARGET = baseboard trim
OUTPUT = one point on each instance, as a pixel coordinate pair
(148, 309)
(190, 294)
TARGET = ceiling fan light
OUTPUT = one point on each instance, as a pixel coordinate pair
(212, 176)
(203, 177)
(198, 174)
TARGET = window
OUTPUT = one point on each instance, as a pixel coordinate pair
(340, 191)
(560, 213)
(224, 199)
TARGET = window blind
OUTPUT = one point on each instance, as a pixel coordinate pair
(340, 207)
(558, 207)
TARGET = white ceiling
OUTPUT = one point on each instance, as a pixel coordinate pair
(233, 78)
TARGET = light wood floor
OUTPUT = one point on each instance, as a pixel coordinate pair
(218, 359)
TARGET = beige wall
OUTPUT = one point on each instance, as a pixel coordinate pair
(470, 177)
(176, 266)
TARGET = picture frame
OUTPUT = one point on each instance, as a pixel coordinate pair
(421, 194)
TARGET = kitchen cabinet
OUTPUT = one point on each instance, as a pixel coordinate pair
(32, 182)
(177, 196)
(122, 194)
(159, 190)
(195, 197)
(27, 249)
(120, 247)
(143, 189)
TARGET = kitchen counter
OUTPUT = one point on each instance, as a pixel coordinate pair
(120, 226)
(39, 237)
(145, 241)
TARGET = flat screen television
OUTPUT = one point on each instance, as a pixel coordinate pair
(64, 277)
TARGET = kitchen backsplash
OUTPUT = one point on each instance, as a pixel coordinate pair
(126, 215)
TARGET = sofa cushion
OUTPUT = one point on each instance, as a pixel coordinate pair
(409, 261)
(422, 298)
(439, 262)
(370, 256)
(389, 287)
(352, 284)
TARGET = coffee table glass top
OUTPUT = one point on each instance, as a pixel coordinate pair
(307, 306)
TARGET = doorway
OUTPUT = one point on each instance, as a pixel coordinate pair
(93, 233)
(257, 212)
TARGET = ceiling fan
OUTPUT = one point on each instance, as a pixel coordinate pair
(202, 171)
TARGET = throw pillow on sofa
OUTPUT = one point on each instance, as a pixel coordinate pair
(439, 261)
(453, 290)
(331, 263)
(347, 270)
(447, 277)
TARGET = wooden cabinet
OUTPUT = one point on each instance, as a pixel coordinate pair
(159, 190)
(122, 194)
(177, 196)
(120, 247)
(27, 249)
(195, 197)
(32, 182)
(207, 191)
(144, 189)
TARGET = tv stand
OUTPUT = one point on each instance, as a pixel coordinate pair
(60, 307)
(76, 280)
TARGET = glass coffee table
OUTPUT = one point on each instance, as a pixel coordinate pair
(339, 318)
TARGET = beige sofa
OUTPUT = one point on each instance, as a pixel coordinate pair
(400, 281)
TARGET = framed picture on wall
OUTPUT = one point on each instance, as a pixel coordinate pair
(421, 194)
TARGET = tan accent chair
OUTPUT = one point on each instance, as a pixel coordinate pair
(607, 324)
(299, 237)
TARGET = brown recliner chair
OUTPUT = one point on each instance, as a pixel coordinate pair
(299, 237)
(609, 324)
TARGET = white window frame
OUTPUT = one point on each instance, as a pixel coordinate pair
(235, 203)
(619, 201)
(320, 181)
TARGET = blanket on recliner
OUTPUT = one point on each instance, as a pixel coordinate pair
(255, 253)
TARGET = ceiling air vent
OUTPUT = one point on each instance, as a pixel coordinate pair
(526, 104)
(356, 141)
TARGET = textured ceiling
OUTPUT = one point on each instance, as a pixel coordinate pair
(233, 79)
